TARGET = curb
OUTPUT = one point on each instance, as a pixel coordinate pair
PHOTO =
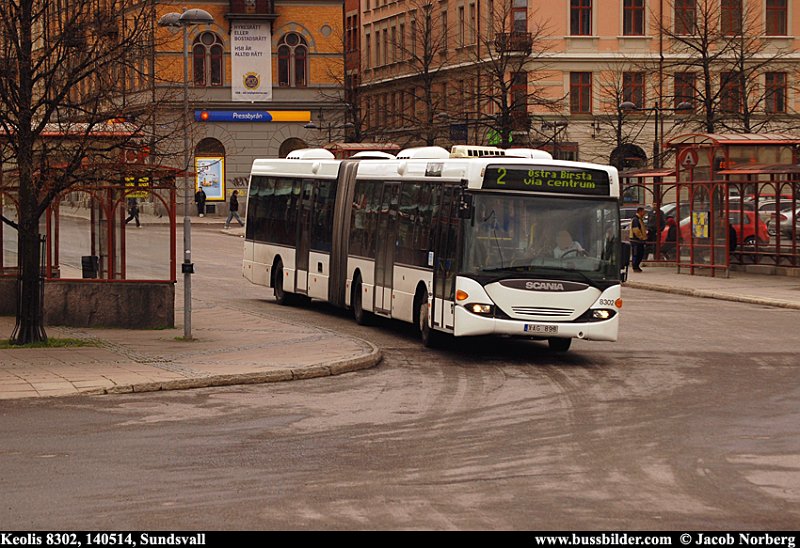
(706, 294)
(325, 369)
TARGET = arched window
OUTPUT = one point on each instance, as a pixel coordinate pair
(292, 61)
(207, 60)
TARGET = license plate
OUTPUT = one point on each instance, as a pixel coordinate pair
(535, 328)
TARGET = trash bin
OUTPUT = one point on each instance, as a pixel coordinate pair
(90, 265)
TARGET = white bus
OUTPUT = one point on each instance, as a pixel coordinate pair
(490, 245)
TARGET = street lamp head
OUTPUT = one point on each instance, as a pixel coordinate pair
(311, 125)
(628, 106)
(685, 106)
(196, 16)
(170, 20)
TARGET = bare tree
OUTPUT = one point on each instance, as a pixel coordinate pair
(509, 64)
(69, 70)
(424, 51)
(615, 127)
(719, 51)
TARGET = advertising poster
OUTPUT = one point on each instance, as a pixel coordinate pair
(251, 61)
(210, 176)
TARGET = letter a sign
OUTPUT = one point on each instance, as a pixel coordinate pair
(688, 158)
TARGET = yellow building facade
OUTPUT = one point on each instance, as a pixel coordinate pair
(257, 75)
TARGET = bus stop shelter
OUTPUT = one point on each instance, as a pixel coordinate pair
(734, 198)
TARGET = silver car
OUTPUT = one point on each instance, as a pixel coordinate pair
(789, 222)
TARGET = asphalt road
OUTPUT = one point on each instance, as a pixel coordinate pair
(691, 421)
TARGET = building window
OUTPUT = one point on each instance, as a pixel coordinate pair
(462, 31)
(444, 31)
(292, 61)
(633, 18)
(207, 60)
(580, 92)
(385, 46)
(377, 48)
(368, 50)
(776, 92)
(519, 93)
(730, 20)
(731, 85)
(685, 83)
(472, 24)
(633, 88)
(685, 17)
(777, 17)
(519, 15)
(580, 17)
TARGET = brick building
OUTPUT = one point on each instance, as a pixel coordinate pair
(583, 59)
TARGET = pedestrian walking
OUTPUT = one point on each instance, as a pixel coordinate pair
(133, 212)
(233, 210)
(200, 200)
(638, 239)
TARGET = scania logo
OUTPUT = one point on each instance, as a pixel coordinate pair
(544, 286)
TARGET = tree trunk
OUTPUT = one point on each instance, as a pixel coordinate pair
(30, 289)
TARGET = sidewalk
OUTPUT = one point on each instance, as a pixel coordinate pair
(743, 287)
(232, 347)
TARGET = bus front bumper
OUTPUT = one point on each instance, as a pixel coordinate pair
(468, 324)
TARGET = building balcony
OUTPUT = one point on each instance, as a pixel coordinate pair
(513, 42)
(246, 9)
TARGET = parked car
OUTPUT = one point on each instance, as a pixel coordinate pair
(788, 218)
(749, 231)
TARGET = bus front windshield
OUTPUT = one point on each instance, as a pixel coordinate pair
(530, 235)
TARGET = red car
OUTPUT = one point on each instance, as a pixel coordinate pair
(748, 231)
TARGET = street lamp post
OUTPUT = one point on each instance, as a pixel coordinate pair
(189, 18)
(330, 126)
(628, 106)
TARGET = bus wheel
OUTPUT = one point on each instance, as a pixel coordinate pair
(281, 297)
(558, 344)
(430, 337)
(361, 316)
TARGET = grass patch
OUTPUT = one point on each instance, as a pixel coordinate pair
(51, 343)
(184, 339)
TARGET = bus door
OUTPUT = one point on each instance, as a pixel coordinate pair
(444, 261)
(386, 235)
(304, 236)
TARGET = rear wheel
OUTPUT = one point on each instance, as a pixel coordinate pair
(559, 344)
(361, 316)
(281, 296)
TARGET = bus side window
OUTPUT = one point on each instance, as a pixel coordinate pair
(407, 223)
(373, 205)
(358, 219)
(322, 220)
(422, 230)
(266, 202)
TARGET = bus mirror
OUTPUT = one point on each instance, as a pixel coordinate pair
(465, 207)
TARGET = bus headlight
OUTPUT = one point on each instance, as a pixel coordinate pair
(602, 314)
(480, 309)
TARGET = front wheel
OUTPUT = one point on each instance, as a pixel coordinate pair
(559, 344)
(430, 337)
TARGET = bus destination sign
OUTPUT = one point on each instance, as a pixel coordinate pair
(561, 180)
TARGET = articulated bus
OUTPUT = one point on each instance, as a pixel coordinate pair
(488, 245)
